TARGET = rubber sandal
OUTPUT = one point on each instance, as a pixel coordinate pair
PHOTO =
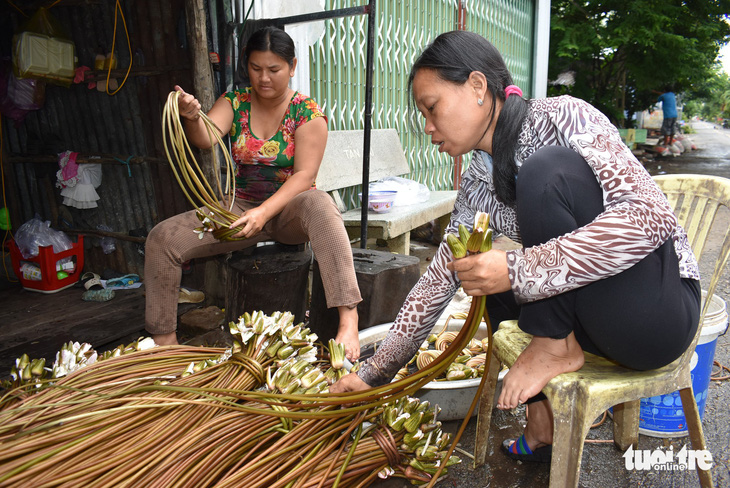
(91, 279)
(103, 295)
(190, 296)
(122, 281)
(519, 450)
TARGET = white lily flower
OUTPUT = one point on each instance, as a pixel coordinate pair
(92, 359)
(309, 356)
(146, 343)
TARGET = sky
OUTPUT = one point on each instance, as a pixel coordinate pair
(725, 58)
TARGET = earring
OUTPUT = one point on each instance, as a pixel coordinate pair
(480, 102)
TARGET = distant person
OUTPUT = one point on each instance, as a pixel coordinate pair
(669, 107)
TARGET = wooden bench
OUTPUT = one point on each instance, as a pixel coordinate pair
(342, 168)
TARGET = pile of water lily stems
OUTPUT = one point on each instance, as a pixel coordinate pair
(258, 414)
(255, 415)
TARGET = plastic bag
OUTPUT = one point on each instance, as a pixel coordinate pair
(26, 94)
(409, 191)
(108, 244)
(36, 233)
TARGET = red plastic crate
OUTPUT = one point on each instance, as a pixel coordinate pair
(46, 261)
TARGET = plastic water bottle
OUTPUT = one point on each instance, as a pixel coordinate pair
(31, 272)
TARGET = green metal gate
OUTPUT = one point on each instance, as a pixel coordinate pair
(403, 29)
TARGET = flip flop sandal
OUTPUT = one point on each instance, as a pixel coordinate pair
(91, 279)
(519, 450)
(190, 296)
(103, 295)
(122, 281)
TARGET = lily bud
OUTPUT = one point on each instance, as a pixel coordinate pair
(273, 348)
(413, 423)
(430, 453)
(36, 367)
(337, 354)
(399, 422)
(474, 244)
(426, 428)
(457, 248)
(298, 368)
(285, 352)
(25, 374)
(463, 234)
(487, 242)
(481, 221)
(246, 319)
(23, 361)
(412, 438)
(311, 377)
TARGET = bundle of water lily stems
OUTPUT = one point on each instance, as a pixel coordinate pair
(255, 415)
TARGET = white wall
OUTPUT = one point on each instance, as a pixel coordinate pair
(304, 34)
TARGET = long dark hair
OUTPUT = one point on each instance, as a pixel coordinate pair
(454, 56)
(272, 39)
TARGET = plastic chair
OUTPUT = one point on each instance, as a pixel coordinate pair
(578, 398)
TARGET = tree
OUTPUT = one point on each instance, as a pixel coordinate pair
(621, 51)
(710, 98)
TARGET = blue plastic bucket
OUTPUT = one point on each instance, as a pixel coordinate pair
(663, 416)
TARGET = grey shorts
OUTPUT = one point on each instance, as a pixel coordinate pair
(668, 126)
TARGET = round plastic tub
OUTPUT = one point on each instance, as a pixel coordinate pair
(454, 397)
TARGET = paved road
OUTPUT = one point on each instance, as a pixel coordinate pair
(603, 465)
(712, 156)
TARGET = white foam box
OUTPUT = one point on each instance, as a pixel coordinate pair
(38, 55)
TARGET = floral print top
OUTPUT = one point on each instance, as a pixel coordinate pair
(637, 216)
(263, 165)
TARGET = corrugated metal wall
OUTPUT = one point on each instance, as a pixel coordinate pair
(403, 30)
(127, 125)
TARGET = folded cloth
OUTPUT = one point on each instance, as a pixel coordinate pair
(83, 194)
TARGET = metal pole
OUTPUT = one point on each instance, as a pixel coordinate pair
(328, 14)
(367, 124)
(458, 160)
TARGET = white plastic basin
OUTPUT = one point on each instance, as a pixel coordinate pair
(454, 397)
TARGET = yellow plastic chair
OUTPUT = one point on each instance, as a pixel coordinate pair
(578, 398)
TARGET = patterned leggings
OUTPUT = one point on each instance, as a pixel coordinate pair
(643, 318)
(310, 216)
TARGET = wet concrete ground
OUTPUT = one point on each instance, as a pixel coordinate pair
(603, 465)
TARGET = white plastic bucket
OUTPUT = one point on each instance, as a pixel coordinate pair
(663, 416)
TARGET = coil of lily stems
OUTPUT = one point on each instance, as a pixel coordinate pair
(189, 175)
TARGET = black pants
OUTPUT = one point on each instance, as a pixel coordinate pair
(643, 318)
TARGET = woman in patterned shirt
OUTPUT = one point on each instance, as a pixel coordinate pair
(604, 266)
(275, 193)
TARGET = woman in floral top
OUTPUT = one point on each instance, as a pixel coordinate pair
(278, 138)
(604, 266)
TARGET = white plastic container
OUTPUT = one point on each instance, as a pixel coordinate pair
(40, 56)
